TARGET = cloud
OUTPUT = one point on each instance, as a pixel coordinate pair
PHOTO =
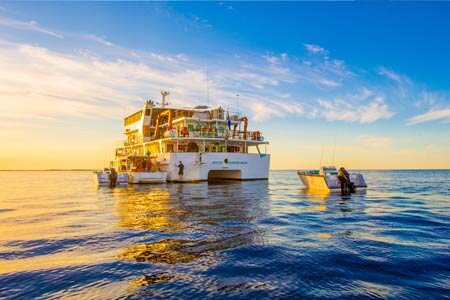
(390, 74)
(30, 25)
(341, 110)
(374, 141)
(199, 22)
(182, 57)
(51, 85)
(315, 49)
(263, 109)
(322, 71)
(45, 83)
(85, 84)
(99, 40)
(271, 59)
(328, 82)
(434, 114)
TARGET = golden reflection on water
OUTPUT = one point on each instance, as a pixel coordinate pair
(169, 251)
(165, 210)
(39, 210)
(323, 201)
(151, 279)
(324, 235)
(318, 198)
(55, 260)
(149, 210)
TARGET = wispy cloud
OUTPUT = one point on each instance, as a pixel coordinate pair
(275, 59)
(84, 85)
(315, 49)
(328, 82)
(101, 40)
(28, 25)
(434, 114)
(342, 110)
(228, 7)
(390, 74)
(81, 83)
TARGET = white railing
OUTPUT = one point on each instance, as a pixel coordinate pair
(250, 135)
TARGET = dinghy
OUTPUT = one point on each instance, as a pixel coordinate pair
(326, 178)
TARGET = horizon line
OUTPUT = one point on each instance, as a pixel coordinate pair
(363, 169)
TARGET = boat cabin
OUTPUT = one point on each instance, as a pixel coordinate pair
(162, 129)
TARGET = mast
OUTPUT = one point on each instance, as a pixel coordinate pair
(164, 94)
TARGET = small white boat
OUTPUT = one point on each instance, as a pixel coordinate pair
(326, 178)
(101, 177)
(147, 177)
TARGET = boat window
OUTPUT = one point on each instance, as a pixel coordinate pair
(133, 118)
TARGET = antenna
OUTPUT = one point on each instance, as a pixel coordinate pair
(334, 148)
(207, 86)
(321, 156)
(164, 94)
(237, 103)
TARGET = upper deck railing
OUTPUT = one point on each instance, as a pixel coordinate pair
(254, 136)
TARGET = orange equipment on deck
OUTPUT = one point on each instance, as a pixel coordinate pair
(158, 120)
(245, 127)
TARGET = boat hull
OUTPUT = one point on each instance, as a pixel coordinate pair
(316, 182)
(101, 178)
(147, 177)
(331, 182)
(210, 165)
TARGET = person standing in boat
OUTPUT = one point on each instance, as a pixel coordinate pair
(112, 178)
(343, 178)
(149, 165)
(350, 184)
(180, 170)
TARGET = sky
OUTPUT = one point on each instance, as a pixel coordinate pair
(363, 85)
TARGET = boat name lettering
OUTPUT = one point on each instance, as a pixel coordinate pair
(219, 162)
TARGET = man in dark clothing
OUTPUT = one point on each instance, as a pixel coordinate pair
(180, 170)
(344, 182)
(112, 178)
(350, 184)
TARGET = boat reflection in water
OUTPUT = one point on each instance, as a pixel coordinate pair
(331, 205)
(189, 223)
(149, 209)
(323, 200)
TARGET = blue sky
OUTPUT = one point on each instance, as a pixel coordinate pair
(374, 77)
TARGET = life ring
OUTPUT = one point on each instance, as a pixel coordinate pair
(180, 147)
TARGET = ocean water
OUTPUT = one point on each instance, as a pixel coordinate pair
(62, 237)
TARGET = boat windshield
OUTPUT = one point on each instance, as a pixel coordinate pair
(328, 171)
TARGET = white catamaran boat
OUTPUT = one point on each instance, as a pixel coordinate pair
(211, 143)
(326, 179)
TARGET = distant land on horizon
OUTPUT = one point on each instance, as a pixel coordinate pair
(363, 169)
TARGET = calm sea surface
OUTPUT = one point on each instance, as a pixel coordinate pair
(62, 237)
